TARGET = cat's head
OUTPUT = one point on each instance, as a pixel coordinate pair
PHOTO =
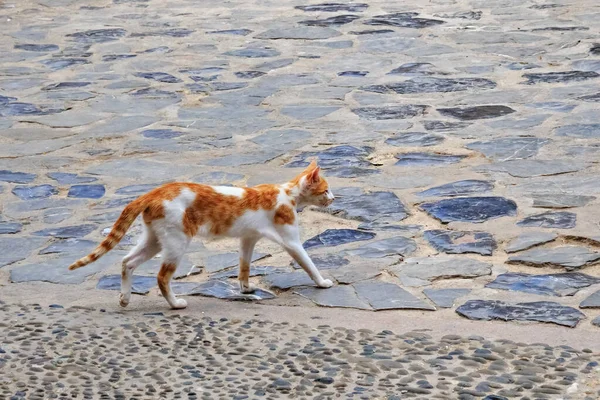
(313, 187)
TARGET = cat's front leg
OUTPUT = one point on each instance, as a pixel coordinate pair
(298, 253)
(246, 249)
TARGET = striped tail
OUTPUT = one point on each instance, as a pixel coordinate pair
(119, 230)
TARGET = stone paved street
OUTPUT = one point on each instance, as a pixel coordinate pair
(461, 138)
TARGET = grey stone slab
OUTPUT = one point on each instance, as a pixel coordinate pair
(528, 240)
(394, 246)
(10, 228)
(254, 271)
(592, 301)
(426, 159)
(415, 139)
(217, 177)
(16, 177)
(221, 290)
(185, 268)
(219, 262)
(428, 84)
(255, 52)
(596, 321)
(139, 284)
(18, 209)
(445, 298)
(34, 192)
(308, 112)
(341, 161)
(404, 20)
(66, 232)
(564, 284)
(458, 188)
(509, 148)
(587, 65)
(582, 131)
(540, 311)
(77, 247)
(336, 237)
(528, 168)
(237, 160)
(470, 209)
(409, 230)
(65, 178)
(555, 106)
(141, 169)
(326, 261)
(36, 147)
(337, 296)
(137, 189)
(360, 272)
(568, 257)
(288, 280)
(559, 77)
(387, 296)
(56, 270)
(120, 125)
(354, 204)
(301, 33)
(476, 112)
(334, 7)
(13, 249)
(461, 242)
(390, 112)
(551, 219)
(283, 138)
(420, 271)
(67, 119)
(444, 126)
(331, 21)
(560, 200)
(518, 123)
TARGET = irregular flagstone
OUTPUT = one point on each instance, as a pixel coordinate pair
(592, 301)
(564, 284)
(426, 84)
(56, 215)
(445, 298)
(34, 192)
(378, 226)
(217, 177)
(300, 33)
(540, 311)
(332, 21)
(528, 240)
(528, 168)
(387, 296)
(98, 35)
(10, 228)
(477, 112)
(420, 271)
(137, 189)
(284, 138)
(326, 261)
(394, 246)
(415, 139)
(218, 262)
(334, 7)
(341, 161)
(458, 188)
(559, 77)
(139, 284)
(70, 246)
(510, 148)
(86, 191)
(184, 269)
(288, 280)
(120, 125)
(460, 242)
(220, 290)
(254, 271)
(67, 119)
(390, 112)
(18, 209)
(470, 209)
(360, 272)
(336, 237)
(140, 169)
(66, 232)
(336, 296)
(308, 112)
(415, 69)
(444, 126)
(16, 177)
(583, 131)
(427, 159)
(560, 200)
(355, 204)
(551, 219)
(13, 249)
(403, 20)
(65, 178)
(258, 52)
(568, 257)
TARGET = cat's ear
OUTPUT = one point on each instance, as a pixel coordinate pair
(313, 176)
(312, 165)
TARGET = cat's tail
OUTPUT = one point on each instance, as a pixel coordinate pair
(119, 229)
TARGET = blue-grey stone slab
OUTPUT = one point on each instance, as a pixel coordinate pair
(461, 242)
(583, 131)
(173, 32)
(78, 247)
(288, 280)
(34, 192)
(404, 20)
(16, 177)
(476, 112)
(528, 168)
(427, 84)
(326, 261)
(563, 284)
(19, 208)
(42, 48)
(249, 74)
(592, 301)
(372, 32)
(559, 77)
(140, 169)
(98, 35)
(569, 257)
(556, 106)
(56, 64)
(137, 189)
(114, 203)
(117, 57)
(394, 246)
(421, 271)
(551, 219)
(66, 232)
(343, 296)
(86, 191)
(356, 74)
(444, 126)
(161, 133)
(10, 228)
(353, 203)
(119, 125)
(71, 96)
(331, 21)
(220, 290)
(528, 240)
(255, 52)
(298, 33)
(415, 69)
(237, 32)
(13, 249)
(217, 177)
(139, 284)
(65, 178)
(18, 109)
(65, 85)
(387, 227)
(334, 7)
(470, 209)
(341, 161)
(387, 296)
(458, 188)
(158, 76)
(283, 138)
(540, 311)
(219, 262)
(509, 148)
(415, 139)
(254, 271)
(308, 112)
(445, 298)
(426, 159)
(560, 200)
(336, 237)
(390, 112)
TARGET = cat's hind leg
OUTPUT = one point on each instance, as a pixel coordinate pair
(246, 249)
(174, 245)
(146, 248)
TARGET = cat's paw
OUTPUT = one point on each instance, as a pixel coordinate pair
(247, 288)
(123, 300)
(325, 284)
(179, 304)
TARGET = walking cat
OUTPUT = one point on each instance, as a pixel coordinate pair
(176, 212)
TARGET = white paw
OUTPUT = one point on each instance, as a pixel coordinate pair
(179, 304)
(123, 300)
(325, 284)
(247, 288)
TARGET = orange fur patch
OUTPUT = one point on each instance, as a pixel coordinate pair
(284, 215)
(320, 187)
(164, 276)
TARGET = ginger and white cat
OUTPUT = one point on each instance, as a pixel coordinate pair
(176, 212)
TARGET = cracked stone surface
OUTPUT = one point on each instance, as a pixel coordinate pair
(565, 284)
(569, 257)
(419, 271)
